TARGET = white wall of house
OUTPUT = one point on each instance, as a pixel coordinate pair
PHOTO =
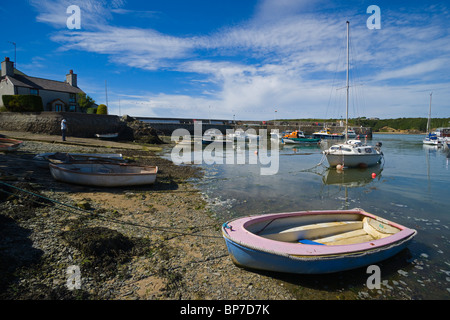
(6, 87)
(51, 100)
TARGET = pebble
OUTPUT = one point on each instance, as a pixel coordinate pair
(403, 273)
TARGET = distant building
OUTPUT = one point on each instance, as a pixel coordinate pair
(56, 95)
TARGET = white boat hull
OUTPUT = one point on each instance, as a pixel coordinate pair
(353, 160)
(432, 142)
(103, 174)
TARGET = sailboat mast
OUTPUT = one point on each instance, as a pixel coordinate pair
(429, 115)
(106, 93)
(346, 106)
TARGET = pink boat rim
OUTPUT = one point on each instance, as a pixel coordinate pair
(238, 231)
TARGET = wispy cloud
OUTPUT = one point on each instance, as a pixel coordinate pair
(285, 54)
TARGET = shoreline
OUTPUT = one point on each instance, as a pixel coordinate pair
(408, 133)
(156, 242)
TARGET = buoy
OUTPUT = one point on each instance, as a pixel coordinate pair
(256, 152)
(374, 175)
(339, 167)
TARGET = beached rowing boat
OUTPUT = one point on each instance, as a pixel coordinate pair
(103, 174)
(313, 242)
(43, 159)
(7, 144)
(107, 135)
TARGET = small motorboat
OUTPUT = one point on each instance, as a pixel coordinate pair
(298, 137)
(326, 134)
(313, 242)
(7, 144)
(100, 174)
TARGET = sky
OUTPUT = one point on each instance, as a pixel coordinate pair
(239, 59)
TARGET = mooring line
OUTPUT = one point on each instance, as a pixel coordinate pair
(164, 229)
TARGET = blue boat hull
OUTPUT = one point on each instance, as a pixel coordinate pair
(255, 259)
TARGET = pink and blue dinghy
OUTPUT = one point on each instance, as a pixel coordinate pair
(313, 242)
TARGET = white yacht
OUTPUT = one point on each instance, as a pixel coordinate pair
(352, 153)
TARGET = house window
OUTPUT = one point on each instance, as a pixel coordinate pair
(72, 108)
(34, 92)
(58, 107)
(72, 97)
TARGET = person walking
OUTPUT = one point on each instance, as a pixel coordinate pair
(63, 129)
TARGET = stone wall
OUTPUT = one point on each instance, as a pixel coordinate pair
(78, 124)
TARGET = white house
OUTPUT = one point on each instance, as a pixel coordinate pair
(56, 95)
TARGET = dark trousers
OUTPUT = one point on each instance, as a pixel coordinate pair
(63, 134)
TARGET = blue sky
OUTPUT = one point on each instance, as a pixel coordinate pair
(247, 59)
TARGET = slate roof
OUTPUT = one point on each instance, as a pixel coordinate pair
(21, 80)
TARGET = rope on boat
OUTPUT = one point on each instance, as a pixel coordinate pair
(313, 167)
(102, 217)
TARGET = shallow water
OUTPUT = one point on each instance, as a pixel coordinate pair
(410, 187)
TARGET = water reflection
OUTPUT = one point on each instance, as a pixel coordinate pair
(354, 177)
(410, 187)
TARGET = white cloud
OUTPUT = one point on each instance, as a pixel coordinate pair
(413, 71)
(284, 57)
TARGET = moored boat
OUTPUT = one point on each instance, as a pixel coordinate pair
(350, 133)
(313, 242)
(103, 174)
(107, 136)
(297, 137)
(353, 154)
(326, 134)
(433, 140)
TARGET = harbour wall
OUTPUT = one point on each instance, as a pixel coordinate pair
(78, 124)
(167, 125)
(87, 125)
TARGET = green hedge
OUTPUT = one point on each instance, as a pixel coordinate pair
(102, 109)
(23, 103)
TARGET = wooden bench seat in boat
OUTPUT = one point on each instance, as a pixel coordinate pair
(335, 233)
(313, 231)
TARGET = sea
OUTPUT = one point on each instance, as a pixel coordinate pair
(411, 186)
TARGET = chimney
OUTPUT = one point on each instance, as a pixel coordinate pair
(7, 68)
(71, 79)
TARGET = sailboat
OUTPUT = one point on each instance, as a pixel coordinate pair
(431, 138)
(352, 153)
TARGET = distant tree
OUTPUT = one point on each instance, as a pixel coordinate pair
(85, 101)
(102, 109)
